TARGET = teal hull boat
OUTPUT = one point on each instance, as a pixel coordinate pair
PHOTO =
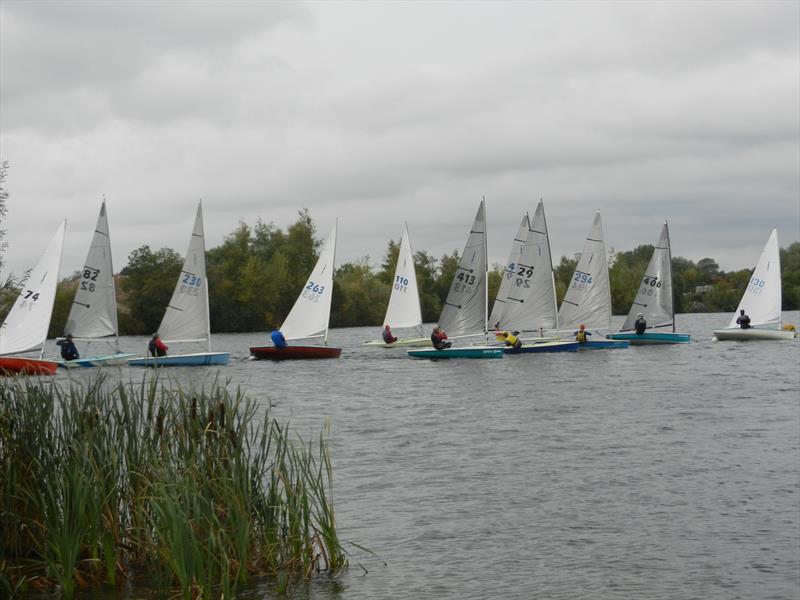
(467, 352)
(201, 359)
(651, 337)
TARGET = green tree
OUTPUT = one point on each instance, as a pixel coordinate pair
(563, 274)
(8, 284)
(65, 293)
(148, 283)
(790, 276)
(360, 297)
(625, 273)
(427, 275)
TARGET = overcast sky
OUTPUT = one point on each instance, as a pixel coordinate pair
(379, 113)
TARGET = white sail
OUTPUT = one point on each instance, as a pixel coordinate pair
(464, 310)
(530, 303)
(510, 271)
(762, 298)
(25, 327)
(588, 297)
(404, 308)
(94, 309)
(311, 311)
(654, 296)
(186, 318)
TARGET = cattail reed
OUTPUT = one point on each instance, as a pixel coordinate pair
(103, 483)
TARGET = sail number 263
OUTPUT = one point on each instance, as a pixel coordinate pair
(313, 291)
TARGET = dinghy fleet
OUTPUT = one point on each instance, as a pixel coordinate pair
(525, 309)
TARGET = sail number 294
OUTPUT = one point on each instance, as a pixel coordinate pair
(313, 291)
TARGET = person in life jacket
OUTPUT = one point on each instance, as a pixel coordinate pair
(68, 349)
(512, 340)
(439, 338)
(387, 335)
(640, 324)
(743, 320)
(581, 336)
(277, 338)
(156, 346)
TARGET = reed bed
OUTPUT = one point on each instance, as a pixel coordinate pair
(152, 486)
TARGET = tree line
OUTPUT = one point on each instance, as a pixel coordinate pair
(257, 272)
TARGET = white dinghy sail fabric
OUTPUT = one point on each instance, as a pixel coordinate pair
(510, 271)
(404, 309)
(530, 303)
(588, 297)
(25, 327)
(94, 309)
(311, 311)
(464, 311)
(762, 298)
(654, 296)
(186, 318)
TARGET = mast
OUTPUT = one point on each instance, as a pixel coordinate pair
(413, 270)
(113, 284)
(552, 275)
(669, 266)
(608, 275)
(333, 271)
(485, 272)
(205, 283)
(58, 270)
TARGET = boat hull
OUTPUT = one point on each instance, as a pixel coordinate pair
(16, 365)
(466, 352)
(294, 352)
(199, 359)
(603, 344)
(649, 338)
(743, 335)
(402, 343)
(108, 360)
(543, 347)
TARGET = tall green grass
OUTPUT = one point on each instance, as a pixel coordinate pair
(158, 487)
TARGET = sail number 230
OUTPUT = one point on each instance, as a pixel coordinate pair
(313, 291)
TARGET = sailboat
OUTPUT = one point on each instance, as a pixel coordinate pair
(588, 298)
(465, 310)
(761, 300)
(187, 317)
(404, 309)
(310, 315)
(530, 301)
(93, 315)
(25, 326)
(654, 301)
(510, 271)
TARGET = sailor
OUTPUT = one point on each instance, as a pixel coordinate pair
(277, 338)
(581, 334)
(512, 340)
(640, 324)
(68, 349)
(387, 335)
(438, 338)
(156, 346)
(743, 320)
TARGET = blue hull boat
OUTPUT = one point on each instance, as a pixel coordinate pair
(603, 344)
(106, 360)
(467, 352)
(651, 337)
(200, 359)
(543, 347)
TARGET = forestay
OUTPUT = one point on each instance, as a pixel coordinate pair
(186, 318)
(404, 308)
(654, 296)
(530, 304)
(588, 297)
(25, 327)
(464, 311)
(94, 309)
(762, 298)
(311, 311)
(510, 271)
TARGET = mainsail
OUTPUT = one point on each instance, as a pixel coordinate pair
(762, 298)
(94, 309)
(404, 308)
(654, 296)
(588, 297)
(530, 304)
(510, 271)
(186, 318)
(26, 325)
(464, 310)
(311, 311)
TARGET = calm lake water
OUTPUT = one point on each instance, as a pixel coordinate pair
(654, 472)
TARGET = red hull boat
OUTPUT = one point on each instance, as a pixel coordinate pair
(13, 365)
(294, 352)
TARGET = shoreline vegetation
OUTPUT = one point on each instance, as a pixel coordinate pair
(149, 486)
(256, 273)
